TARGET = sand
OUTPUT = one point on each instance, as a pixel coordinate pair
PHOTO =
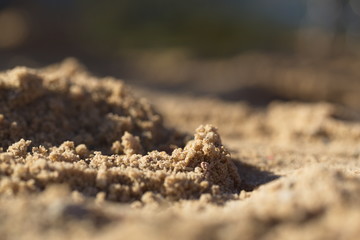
(86, 157)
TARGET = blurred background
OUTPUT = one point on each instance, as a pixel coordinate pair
(256, 51)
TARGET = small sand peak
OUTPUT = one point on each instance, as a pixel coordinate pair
(131, 144)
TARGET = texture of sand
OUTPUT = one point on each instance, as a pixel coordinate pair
(84, 157)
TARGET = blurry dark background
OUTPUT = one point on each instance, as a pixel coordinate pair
(257, 50)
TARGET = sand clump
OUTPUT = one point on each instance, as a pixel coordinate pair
(203, 166)
(66, 119)
(64, 103)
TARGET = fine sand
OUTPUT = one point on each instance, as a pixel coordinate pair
(89, 158)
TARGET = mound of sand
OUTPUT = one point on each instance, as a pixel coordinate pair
(68, 115)
(66, 103)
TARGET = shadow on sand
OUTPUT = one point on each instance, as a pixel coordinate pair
(252, 177)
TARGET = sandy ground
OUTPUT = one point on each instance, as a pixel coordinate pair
(296, 164)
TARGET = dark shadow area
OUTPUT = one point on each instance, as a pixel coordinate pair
(252, 177)
(346, 114)
(255, 96)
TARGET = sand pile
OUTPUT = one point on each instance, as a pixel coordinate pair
(66, 103)
(67, 116)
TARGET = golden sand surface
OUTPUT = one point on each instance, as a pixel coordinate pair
(86, 158)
